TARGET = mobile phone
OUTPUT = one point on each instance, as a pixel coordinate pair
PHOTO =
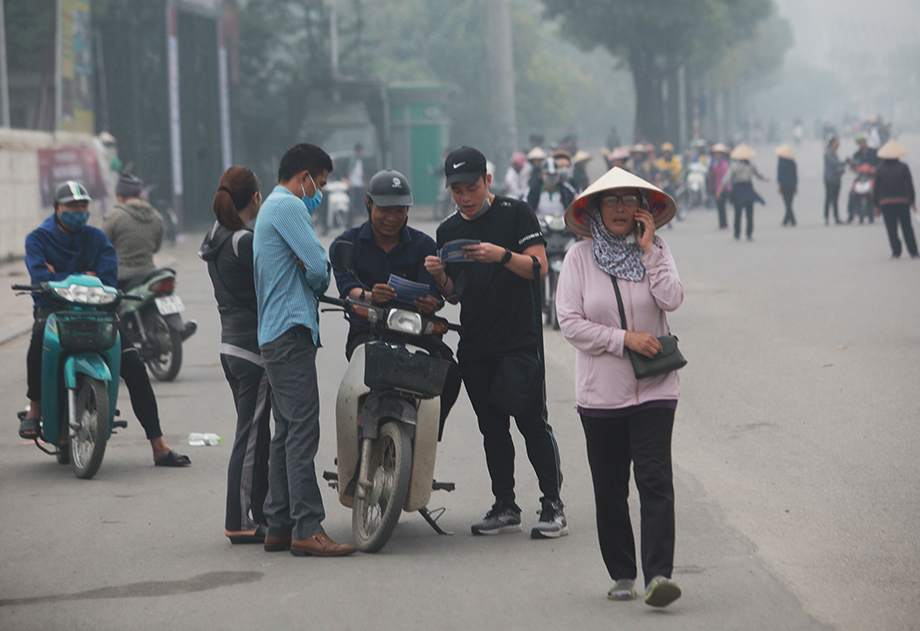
(641, 228)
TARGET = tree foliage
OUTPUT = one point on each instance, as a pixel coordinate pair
(658, 37)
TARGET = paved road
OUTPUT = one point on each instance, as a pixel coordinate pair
(795, 452)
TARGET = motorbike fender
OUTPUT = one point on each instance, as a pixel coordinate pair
(424, 452)
(174, 320)
(91, 364)
(348, 404)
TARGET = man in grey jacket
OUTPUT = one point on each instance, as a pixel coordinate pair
(135, 228)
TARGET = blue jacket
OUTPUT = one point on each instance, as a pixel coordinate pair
(65, 252)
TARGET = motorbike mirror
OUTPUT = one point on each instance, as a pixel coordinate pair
(342, 255)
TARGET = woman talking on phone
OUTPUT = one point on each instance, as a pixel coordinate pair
(627, 421)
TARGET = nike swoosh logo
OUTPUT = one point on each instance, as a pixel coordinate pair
(457, 166)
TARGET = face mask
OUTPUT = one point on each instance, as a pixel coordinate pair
(486, 205)
(312, 203)
(75, 221)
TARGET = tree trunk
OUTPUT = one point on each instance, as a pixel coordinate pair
(647, 79)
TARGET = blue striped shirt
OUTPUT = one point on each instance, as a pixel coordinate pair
(286, 294)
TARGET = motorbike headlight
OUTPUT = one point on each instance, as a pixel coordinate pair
(404, 321)
(86, 295)
(556, 223)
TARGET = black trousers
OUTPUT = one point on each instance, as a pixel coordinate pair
(721, 201)
(495, 426)
(247, 472)
(748, 210)
(788, 192)
(642, 439)
(831, 197)
(133, 371)
(893, 215)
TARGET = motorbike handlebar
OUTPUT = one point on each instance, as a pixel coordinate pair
(26, 288)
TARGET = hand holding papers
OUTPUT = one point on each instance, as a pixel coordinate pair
(452, 252)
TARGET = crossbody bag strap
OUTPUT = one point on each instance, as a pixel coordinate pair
(616, 288)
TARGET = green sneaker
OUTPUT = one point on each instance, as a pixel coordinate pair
(625, 589)
(661, 592)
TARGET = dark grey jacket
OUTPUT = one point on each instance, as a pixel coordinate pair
(136, 229)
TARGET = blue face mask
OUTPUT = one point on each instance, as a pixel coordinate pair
(312, 202)
(75, 221)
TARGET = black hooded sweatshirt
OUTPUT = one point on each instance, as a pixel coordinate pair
(229, 258)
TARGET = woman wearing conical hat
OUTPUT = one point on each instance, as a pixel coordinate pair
(894, 196)
(743, 196)
(627, 421)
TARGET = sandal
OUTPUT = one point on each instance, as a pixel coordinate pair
(257, 537)
(173, 459)
(29, 428)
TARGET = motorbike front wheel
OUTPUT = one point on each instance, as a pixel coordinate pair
(166, 343)
(374, 517)
(88, 437)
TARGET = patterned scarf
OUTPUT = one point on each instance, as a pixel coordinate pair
(618, 256)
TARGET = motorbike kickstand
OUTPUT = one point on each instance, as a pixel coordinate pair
(432, 518)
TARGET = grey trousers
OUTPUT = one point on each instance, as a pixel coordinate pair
(294, 505)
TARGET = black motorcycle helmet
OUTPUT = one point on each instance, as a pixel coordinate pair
(389, 188)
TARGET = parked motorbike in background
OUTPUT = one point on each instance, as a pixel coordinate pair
(696, 184)
(154, 322)
(387, 417)
(558, 241)
(338, 206)
(862, 193)
(81, 361)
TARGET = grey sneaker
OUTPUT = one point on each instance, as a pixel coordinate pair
(499, 520)
(625, 589)
(661, 592)
(552, 522)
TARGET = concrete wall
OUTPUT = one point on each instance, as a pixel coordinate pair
(20, 196)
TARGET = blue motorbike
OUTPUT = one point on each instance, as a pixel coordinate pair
(81, 361)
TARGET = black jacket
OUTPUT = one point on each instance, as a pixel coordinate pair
(787, 173)
(893, 183)
(566, 194)
(229, 258)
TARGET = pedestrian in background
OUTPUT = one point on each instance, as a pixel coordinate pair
(136, 230)
(721, 187)
(787, 180)
(227, 249)
(894, 196)
(290, 270)
(741, 176)
(833, 171)
(627, 421)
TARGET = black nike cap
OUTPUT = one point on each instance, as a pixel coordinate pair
(464, 165)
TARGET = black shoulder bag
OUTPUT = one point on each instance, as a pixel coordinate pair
(669, 359)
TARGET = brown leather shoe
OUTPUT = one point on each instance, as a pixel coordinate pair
(277, 544)
(320, 545)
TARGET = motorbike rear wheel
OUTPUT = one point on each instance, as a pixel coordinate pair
(88, 438)
(166, 343)
(374, 517)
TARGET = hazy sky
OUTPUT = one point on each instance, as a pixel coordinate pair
(826, 30)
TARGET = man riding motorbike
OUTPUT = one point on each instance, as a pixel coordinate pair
(385, 245)
(550, 194)
(63, 245)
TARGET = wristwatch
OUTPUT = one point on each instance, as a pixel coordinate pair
(506, 256)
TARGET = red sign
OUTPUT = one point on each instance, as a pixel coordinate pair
(57, 165)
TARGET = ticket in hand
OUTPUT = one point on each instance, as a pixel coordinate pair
(452, 252)
(408, 291)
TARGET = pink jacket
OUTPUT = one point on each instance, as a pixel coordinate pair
(588, 316)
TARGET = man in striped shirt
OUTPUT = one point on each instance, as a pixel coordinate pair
(290, 271)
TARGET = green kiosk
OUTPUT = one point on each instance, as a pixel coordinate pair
(418, 137)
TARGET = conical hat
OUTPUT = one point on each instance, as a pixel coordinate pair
(743, 152)
(892, 150)
(536, 154)
(785, 151)
(718, 148)
(580, 156)
(661, 205)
